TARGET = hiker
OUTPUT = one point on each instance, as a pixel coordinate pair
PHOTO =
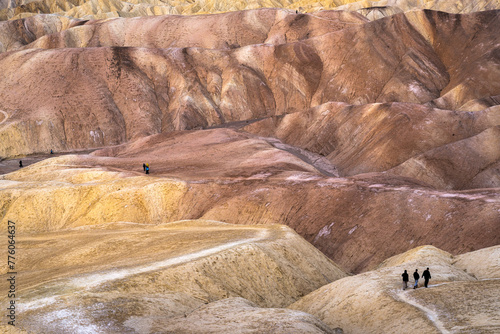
(147, 168)
(144, 167)
(51, 152)
(416, 276)
(427, 276)
(20, 164)
(405, 280)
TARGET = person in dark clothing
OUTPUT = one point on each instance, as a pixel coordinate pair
(51, 152)
(147, 169)
(416, 276)
(20, 164)
(427, 276)
(144, 167)
(405, 280)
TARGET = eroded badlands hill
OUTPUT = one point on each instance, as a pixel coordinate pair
(74, 98)
(230, 176)
(375, 302)
(98, 9)
(368, 132)
(128, 277)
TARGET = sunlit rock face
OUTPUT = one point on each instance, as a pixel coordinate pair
(453, 296)
(300, 156)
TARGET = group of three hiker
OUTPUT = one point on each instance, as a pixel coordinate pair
(426, 275)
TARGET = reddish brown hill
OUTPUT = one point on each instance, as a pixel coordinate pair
(217, 31)
(378, 137)
(237, 178)
(107, 90)
(468, 47)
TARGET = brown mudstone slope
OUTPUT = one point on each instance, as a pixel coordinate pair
(136, 278)
(277, 141)
(117, 8)
(238, 178)
(73, 98)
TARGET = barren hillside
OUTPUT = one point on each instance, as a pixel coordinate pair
(300, 156)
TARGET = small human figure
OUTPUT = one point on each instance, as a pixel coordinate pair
(296, 11)
(147, 169)
(51, 152)
(416, 276)
(20, 164)
(144, 167)
(427, 276)
(405, 280)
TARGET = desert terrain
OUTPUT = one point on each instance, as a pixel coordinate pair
(301, 155)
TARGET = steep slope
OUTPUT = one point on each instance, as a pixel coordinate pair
(377, 137)
(99, 9)
(466, 164)
(218, 31)
(119, 94)
(124, 276)
(468, 47)
(381, 8)
(17, 33)
(243, 180)
(374, 301)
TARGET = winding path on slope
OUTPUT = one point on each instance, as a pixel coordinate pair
(432, 315)
(92, 280)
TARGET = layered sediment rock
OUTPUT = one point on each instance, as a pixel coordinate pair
(368, 132)
(375, 302)
(238, 178)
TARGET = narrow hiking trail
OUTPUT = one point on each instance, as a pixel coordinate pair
(405, 297)
(92, 280)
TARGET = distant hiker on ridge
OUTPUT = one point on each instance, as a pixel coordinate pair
(147, 168)
(416, 276)
(20, 164)
(427, 276)
(144, 167)
(51, 152)
(405, 280)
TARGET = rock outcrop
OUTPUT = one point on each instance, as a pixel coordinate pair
(96, 9)
(76, 98)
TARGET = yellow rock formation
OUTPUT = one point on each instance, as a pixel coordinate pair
(280, 136)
